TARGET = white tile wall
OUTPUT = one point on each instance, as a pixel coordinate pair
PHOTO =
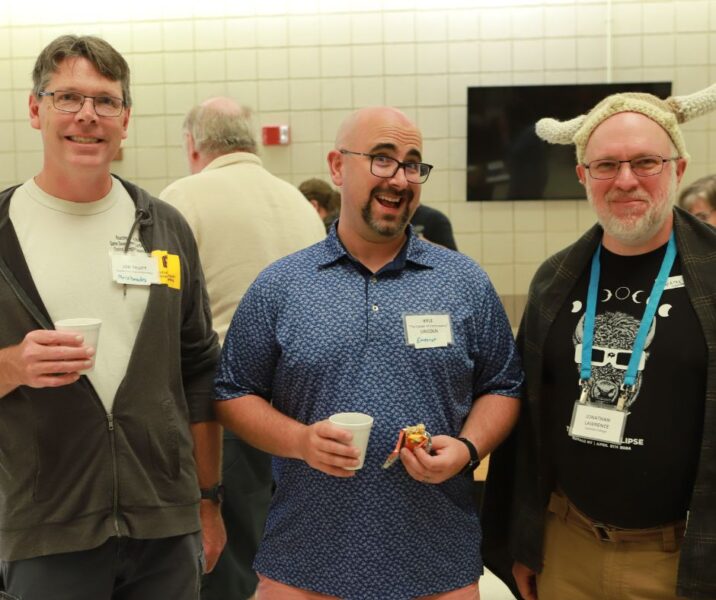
(309, 63)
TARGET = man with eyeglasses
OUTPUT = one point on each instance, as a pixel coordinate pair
(103, 452)
(607, 488)
(371, 320)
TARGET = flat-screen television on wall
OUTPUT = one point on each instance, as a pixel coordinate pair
(505, 158)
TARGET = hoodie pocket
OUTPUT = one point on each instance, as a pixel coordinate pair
(163, 442)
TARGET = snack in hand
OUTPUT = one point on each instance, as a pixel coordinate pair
(411, 438)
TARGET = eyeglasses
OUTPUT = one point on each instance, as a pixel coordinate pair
(72, 102)
(386, 167)
(643, 166)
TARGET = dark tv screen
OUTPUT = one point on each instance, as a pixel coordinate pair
(505, 158)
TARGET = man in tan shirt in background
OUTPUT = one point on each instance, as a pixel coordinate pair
(244, 218)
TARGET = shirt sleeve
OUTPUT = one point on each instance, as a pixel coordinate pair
(498, 366)
(251, 351)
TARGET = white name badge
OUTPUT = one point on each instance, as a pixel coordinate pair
(134, 269)
(677, 281)
(598, 423)
(428, 330)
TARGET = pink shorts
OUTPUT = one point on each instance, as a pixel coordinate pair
(269, 589)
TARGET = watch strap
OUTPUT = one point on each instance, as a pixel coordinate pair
(215, 493)
(474, 461)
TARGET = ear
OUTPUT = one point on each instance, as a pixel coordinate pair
(680, 169)
(335, 165)
(34, 106)
(125, 122)
(581, 174)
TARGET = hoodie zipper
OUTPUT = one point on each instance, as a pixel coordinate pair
(140, 214)
(115, 477)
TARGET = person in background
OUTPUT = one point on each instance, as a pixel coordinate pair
(323, 198)
(244, 218)
(372, 320)
(607, 487)
(434, 226)
(699, 199)
(101, 469)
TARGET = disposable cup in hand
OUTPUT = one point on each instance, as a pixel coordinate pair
(88, 328)
(359, 425)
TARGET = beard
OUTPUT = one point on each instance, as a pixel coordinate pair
(388, 225)
(639, 227)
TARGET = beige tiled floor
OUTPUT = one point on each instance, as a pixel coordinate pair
(491, 588)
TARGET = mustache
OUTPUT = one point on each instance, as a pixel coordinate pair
(406, 194)
(617, 196)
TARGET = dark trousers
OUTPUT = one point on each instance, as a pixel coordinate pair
(119, 569)
(248, 485)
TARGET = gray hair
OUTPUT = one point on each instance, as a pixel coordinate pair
(217, 131)
(108, 62)
(704, 188)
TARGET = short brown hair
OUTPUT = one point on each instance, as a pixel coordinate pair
(101, 54)
(320, 191)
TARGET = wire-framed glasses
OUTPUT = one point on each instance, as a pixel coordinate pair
(642, 166)
(72, 102)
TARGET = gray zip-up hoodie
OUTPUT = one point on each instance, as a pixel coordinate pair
(72, 475)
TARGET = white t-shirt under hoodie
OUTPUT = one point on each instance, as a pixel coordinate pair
(67, 247)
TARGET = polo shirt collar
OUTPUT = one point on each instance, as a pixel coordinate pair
(415, 251)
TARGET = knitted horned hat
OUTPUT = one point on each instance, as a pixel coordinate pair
(667, 113)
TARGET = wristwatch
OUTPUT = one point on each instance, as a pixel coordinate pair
(474, 461)
(214, 493)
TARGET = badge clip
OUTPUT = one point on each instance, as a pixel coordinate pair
(625, 392)
(584, 385)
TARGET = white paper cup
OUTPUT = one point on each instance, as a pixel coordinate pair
(359, 425)
(88, 328)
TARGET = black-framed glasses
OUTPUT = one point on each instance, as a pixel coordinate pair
(386, 167)
(72, 102)
(642, 166)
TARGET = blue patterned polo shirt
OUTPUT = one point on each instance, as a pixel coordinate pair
(316, 334)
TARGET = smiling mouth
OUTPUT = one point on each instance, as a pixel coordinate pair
(83, 140)
(389, 201)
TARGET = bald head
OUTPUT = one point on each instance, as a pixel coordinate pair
(378, 117)
(220, 126)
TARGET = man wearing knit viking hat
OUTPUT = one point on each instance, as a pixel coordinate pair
(607, 487)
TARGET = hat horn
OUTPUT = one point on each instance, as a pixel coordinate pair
(559, 132)
(694, 105)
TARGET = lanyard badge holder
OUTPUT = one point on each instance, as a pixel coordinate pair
(603, 422)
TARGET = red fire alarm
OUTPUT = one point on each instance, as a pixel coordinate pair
(274, 135)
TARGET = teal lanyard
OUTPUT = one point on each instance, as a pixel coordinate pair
(649, 312)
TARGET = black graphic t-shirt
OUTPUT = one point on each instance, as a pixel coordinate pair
(647, 480)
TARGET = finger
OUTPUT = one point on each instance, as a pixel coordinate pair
(423, 458)
(412, 466)
(338, 449)
(61, 367)
(55, 380)
(50, 353)
(340, 461)
(329, 431)
(53, 336)
(335, 471)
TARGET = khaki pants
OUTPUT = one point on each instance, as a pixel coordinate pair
(578, 566)
(273, 590)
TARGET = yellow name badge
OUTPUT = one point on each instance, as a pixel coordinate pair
(169, 268)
